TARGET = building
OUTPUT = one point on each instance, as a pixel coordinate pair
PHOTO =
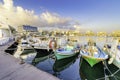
(27, 28)
(5, 34)
(4, 31)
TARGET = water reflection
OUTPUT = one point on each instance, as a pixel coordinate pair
(62, 64)
(66, 69)
(72, 68)
(42, 54)
(91, 73)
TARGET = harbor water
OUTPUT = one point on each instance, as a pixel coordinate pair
(75, 67)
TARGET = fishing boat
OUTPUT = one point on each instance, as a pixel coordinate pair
(113, 65)
(65, 52)
(114, 52)
(27, 55)
(25, 52)
(43, 49)
(62, 64)
(92, 53)
(26, 48)
(11, 49)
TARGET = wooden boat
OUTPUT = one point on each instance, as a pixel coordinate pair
(11, 50)
(93, 54)
(65, 52)
(62, 64)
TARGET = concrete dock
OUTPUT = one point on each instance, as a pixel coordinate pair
(11, 69)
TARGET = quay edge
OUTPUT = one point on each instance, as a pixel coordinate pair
(11, 69)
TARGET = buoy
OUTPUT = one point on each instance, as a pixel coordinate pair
(52, 44)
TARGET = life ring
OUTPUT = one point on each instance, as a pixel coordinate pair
(52, 44)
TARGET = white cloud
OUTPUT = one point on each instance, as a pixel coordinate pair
(53, 18)
(8, 4)
(17, 16)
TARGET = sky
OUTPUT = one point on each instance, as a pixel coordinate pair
(95, 15)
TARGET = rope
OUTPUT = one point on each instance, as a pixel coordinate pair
(107, 76)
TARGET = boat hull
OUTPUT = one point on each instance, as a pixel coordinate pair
(11, 50)
(92, 60)
(62, 64)
(60, 55)
(91, 73)
(28, 51)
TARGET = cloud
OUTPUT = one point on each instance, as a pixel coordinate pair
(53, 18)
(8, 4)
(17, 16)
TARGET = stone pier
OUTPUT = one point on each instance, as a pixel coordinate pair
(12, 69)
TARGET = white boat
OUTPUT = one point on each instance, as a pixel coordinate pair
(113, 65)
(114, 52)
(93, 54)
(25, 52)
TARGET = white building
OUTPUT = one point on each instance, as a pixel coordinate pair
(5, 34)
